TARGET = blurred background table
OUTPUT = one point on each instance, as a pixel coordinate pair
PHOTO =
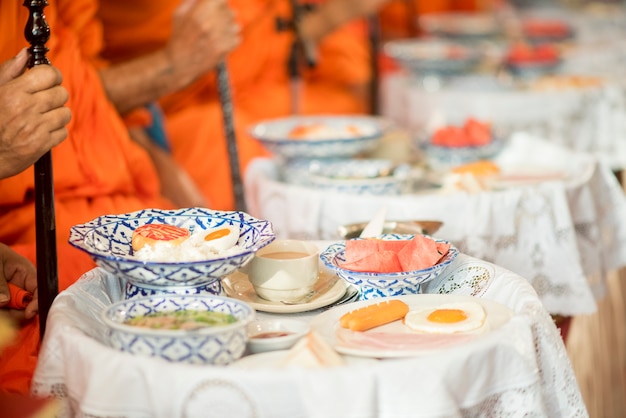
(579, 103)
(519, 368)
(562, 237)
(587, 119)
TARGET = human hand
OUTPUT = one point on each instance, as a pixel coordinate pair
(203, 32)
(32, 113)
(18, 271)
(332, 14)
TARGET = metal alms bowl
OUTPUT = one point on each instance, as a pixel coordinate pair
(392, 227)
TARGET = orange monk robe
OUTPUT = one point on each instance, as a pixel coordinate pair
(97, 170)
(259, 82)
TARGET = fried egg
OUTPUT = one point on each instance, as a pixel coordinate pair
(221, 238)
(447, 318)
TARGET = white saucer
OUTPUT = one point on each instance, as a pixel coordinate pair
(237, 285)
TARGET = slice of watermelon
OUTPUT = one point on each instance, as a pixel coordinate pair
(443, 248)
(477, 133)
(420, 253)
(361, 248)
(357, 249)
(395, 246)
(377, 262)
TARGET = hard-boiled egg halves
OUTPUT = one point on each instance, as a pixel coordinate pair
(221, 238)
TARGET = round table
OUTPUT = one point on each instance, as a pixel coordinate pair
(563, 237)
(520, 368)
(590, 119)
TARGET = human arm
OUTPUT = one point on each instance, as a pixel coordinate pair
(32, 113)
(332, 14)
(203, 32)
(19, 271)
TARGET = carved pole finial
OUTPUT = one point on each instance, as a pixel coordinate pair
(37, 33)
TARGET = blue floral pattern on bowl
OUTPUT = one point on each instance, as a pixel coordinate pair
(134, 290)
(274, 135)
(433, 57)
(445, 158)
(107, 239)
(375, 285)
(210, 345)
(346, 175)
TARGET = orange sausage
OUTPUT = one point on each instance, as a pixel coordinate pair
(374, 315)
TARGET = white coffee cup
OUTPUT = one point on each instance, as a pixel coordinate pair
(284, 270)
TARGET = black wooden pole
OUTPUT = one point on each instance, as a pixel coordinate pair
(299, 50)
(37, 34)
(374, 40)
(226, 102)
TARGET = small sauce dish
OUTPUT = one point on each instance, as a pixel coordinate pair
(274, 334)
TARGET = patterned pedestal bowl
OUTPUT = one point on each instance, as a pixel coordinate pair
(376, 285)
(108, 240)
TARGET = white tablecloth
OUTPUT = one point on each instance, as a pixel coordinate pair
(591, 119)
(520, 369)
(562, 237)
(584, 119)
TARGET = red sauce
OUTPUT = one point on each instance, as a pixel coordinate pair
(272, 334)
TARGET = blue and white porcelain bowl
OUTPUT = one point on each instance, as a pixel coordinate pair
(218, 345)
(107, 239)
(347, 175)
(338, 135)
(445, 158)
(376, 285)
(531, 70)
(134, 291)
(433, 56)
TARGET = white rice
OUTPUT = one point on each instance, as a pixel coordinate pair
(194, 248)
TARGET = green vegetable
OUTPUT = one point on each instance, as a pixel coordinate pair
(183, 319)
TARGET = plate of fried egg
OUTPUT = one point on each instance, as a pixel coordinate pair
(411, 325)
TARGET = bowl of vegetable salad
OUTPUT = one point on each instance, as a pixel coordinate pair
(197, 329)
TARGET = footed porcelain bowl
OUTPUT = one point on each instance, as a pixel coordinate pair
(107, 239)
(375, 285)
(218, 345)
(337, 136)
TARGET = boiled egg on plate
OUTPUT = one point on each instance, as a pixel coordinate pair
(447, 318)
(221, 238)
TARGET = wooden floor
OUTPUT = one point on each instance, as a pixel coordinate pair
(597, 348)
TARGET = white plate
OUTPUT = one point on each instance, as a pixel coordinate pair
(527, 176)
(273, 359)
(395, 339)
(239, 287)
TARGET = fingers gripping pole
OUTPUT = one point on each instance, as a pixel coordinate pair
(37, 34)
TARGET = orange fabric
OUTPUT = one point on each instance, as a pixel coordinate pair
(97, 170)
(258, 76)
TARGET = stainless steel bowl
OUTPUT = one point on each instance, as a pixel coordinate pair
(392, 227)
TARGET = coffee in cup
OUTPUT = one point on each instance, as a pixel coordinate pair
(284, 270)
